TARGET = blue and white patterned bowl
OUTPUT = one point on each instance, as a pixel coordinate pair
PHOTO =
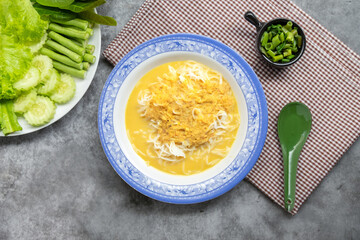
(214, 181)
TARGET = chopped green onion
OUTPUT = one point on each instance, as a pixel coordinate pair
(276, 41)
(263, 51)
(290, 57)
(294, 49)
(287, 52)
(294, 32)
(280, 42)
(282, 37)
(289, 37)
(264, 38)
(280, 47)
(269, 46)
(299, 41)
(289, 25)
(284, 29)
(287, 46)
(271, 53)
(277, 58)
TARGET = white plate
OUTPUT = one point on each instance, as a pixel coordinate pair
(81, 86)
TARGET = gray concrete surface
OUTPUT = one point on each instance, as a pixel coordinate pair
(58, 184)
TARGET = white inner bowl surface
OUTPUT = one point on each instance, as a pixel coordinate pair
(120, 128)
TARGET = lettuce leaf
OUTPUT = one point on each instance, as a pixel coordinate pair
(20, 27)
(18, 17)
(15, 60)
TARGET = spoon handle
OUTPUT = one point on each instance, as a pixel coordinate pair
(290, 167)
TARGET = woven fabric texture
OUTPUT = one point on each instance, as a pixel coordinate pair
(326, 79)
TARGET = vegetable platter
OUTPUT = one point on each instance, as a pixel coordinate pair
(49, 52)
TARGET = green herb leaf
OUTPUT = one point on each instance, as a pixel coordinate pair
(55, 3)
(55, 13)
(280, 47)
(96, 18)
(84, 6)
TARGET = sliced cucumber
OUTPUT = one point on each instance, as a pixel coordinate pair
(48, 85)
(41, 112)
(65, 89)
(30, 80)
(44, 64)
(36, 47)
(24, 101)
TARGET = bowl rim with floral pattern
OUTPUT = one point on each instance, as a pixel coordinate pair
(249, 140)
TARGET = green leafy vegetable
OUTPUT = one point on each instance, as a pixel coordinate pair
(6, 89)
(55, 3)
(20, 27)
(55, 13)
(18, 17)
(15, 60)
(84, 6)
(96, 18)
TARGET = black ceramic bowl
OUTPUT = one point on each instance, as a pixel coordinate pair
(261, 27)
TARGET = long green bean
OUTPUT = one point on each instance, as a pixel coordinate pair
(90, 49)
(89, 58)
(68, 31)
(86, 65)
(67, 43)
(61, 58)
(61, 49)
(79, 23)
(70, 70)
(80, 42)
(90, 31)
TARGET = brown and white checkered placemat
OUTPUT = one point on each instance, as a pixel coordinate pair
(326, 79)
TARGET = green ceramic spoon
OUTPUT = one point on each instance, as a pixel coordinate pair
(294, 125)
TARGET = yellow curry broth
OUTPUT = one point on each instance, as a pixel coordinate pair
(138, 130)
